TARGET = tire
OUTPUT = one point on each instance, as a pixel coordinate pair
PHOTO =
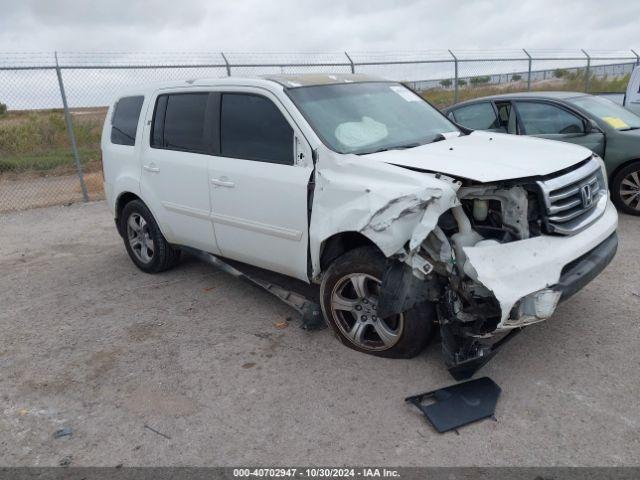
(625, 189)
(144, 242)
(352, 314)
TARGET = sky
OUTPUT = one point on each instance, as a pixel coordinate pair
(161, 32)
(315, 25)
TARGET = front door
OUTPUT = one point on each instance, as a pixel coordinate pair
(547, 120)
(259, 185)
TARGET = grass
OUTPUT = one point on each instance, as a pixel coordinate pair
(38, 142)
(59, 160)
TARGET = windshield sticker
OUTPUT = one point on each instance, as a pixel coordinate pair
(408, 95)
(359, 134)
(616, 122)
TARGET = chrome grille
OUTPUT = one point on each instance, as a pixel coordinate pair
(572, 201)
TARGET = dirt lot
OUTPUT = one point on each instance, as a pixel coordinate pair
(91, 343)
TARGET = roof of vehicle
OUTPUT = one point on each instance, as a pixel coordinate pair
(308, 79)
(539, 95)
(265, 81)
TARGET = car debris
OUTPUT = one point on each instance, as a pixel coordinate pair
(309, 310)
(63, 432)
(157, 432)
(458, 405)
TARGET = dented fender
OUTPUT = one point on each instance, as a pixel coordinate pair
(387, 204)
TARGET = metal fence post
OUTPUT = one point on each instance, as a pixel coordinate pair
(455, 79)
(72, 135)
(637, 56)
(226, 64)
(587, 73)
(529, 71)
(353, 67)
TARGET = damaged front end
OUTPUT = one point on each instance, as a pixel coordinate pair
(492, 268)
(494, 257)
(438, 271)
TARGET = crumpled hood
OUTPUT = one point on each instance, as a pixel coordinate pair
(488, 156)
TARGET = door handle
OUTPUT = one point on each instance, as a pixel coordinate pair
(151, 168)
(223, 182)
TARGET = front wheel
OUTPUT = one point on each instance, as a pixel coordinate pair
(349, 294)
(625, 189)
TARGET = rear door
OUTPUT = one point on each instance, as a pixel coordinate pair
(554, 122)
(174, 180)
(259, 184)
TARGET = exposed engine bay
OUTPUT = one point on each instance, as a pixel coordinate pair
(468, 312)
(470, 315)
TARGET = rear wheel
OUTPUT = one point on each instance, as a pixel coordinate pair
(349, 293)
(143, 240)
(625, 189)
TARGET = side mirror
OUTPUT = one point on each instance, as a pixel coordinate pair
(591, 127)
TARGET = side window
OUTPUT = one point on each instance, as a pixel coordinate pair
(479, 116)
(124, 122)
(183, 121)
(253, 128)
(546, 119)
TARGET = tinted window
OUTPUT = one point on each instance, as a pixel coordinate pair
(125, 120)
(479, 116)
(184, 122)
(254, 129)
(547, 119)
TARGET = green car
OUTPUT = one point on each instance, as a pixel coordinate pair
(609, 130)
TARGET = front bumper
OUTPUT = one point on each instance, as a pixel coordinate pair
(564, 264)
(584, 269)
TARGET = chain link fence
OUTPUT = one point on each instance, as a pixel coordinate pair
(52, 107)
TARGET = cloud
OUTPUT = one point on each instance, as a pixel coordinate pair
(314, 25)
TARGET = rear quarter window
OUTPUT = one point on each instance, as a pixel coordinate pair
(124, 122)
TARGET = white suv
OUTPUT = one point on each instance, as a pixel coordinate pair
(407, 222)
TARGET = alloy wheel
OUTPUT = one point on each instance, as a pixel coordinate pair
(630, 190)
(139, 238)
(354, 303)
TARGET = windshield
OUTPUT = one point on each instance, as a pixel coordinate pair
(369, 117)
(616, 116)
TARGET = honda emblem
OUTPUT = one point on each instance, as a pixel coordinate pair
(587, 196)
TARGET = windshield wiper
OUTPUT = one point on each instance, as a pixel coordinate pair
(394, 147)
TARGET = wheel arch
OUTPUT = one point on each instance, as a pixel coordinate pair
(620, 167)
(339, 244)
(121, 201)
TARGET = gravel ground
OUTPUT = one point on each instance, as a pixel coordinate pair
(91, 343)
